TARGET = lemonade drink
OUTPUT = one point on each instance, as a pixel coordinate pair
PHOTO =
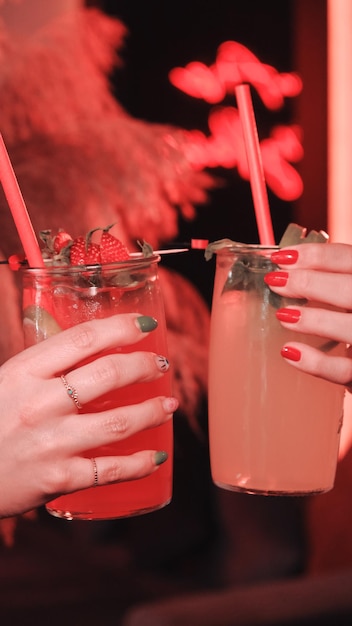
(272, 429)
(57, 298)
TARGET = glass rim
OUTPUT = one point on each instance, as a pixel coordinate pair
(251, 247)
(137, 260)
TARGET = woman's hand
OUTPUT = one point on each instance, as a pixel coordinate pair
(43, 437)
(321, 273)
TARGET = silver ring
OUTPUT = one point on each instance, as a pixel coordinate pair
(71, 392)
(95, 470)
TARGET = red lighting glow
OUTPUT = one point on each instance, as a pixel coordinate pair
(224, 146)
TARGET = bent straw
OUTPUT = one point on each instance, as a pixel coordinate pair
(255, 164)
(18, 209)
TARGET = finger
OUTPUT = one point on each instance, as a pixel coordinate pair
(80, 472)
(121, 469)
(334, 325)
(310, 360)
(77, 433)
(332, 257)
(111, 372)
(67, 348)
(324, 287)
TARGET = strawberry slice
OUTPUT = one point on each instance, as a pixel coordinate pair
(84, 252)
(61, 240)
(111, 248)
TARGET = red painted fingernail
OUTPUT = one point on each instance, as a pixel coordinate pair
(288, 315)
(276, 279)
(292, 354)
(285, 257)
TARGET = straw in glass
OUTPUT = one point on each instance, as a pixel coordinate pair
(255, 165)
(18, 209)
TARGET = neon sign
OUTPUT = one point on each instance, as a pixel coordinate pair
(224, 146)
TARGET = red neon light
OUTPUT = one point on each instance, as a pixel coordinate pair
(224, 146)
(235, 64)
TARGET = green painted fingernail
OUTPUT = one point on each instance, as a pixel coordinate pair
(161, 457)
(146, 323)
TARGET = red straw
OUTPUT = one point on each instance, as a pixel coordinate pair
(18, 209)
(255, 164)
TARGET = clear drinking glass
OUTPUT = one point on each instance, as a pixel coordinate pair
(273, 429)
(56, 298)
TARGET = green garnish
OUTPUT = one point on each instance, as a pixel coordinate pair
(247, 272)
(147, 248)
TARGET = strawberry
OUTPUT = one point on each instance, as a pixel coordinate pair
(61, 240)
(111, 248)
(62, 248)
(84, 252)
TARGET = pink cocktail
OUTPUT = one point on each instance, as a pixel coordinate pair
(56, 298)
(272, 429)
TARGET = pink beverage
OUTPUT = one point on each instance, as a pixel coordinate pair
(59, 297)
(273, 430)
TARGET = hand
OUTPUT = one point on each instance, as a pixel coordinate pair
(321, 273)
(42, 435)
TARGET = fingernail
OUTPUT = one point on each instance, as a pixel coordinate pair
(170, 404)
(285, 257)
(160, 457)
(276, 279)
(146, 323)
(288, 315)
(162, 363)
(292, 354)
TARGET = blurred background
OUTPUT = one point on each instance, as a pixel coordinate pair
(97, 131)
(291, 37)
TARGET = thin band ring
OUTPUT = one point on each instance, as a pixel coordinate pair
(71, 392)
(95, 471)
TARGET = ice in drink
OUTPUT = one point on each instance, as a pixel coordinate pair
(272, 429)
(65, 296)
